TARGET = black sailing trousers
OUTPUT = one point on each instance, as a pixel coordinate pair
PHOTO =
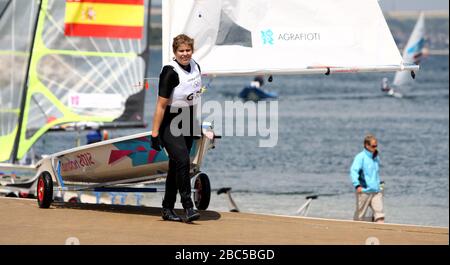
(178, 177)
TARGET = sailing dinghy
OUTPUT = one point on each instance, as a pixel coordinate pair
(412, 54)
(68, 65)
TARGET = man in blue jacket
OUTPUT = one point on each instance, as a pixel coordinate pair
(364, 173)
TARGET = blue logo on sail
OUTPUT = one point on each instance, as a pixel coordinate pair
(417, 47)
(267, 37)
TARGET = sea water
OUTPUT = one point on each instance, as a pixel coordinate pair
(322, 121)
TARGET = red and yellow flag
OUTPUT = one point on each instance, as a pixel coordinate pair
(104, 18)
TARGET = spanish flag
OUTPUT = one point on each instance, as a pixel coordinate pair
(104, 18)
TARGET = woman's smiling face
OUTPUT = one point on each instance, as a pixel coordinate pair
(183, 54)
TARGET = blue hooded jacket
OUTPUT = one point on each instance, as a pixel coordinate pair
(365, 172)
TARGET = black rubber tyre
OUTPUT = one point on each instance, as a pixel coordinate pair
(202, 194)
(44, 190)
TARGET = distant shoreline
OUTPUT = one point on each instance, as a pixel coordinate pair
(438, 52)
(415, 14)
(157, 10)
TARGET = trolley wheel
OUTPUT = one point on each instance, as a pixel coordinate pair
(45, 190)
(202, 194)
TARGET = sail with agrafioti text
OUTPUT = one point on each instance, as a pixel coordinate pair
(235, 37)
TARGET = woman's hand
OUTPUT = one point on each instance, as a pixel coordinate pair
(156, 143)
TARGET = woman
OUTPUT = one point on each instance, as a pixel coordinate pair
(179, 91)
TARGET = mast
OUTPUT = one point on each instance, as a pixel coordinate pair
(13, 158)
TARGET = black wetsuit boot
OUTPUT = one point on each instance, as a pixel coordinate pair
(191, 214)
(170, 215)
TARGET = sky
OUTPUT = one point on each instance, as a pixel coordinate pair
(397, 5)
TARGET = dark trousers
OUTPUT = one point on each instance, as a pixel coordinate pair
(178, 178)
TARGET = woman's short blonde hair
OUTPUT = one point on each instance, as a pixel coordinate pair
(182, 39)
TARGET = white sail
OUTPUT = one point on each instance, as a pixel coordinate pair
(283, 36)
(17, 20)
(412, 52)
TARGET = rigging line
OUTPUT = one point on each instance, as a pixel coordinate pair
(32, 120)
(56, 26)
(74, 45)
(91, 75)
(38, 106)
(81, 86)
(43, 105)
(122, 69)
(62, 86)
(106, 62)
(113, 73)
(83, 76)
(129, 73)
(123, 50)
(127, 76)
(137, 69)
(53, 83)
(139, 48)
(129, 83)
(103, 58)
(140, 71)
(10, 123)
(59, 57)
(145, 51)
(94, 78)
(134, 72)
(127, 80)
(69, 67)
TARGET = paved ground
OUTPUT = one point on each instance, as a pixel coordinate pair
(23, 222)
